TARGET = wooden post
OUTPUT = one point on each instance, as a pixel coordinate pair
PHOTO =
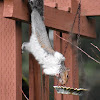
(10, 58)
(57, 47)
(34, 79)
(45, 87)
(72, 64)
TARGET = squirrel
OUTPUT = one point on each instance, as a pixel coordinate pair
(39, 46)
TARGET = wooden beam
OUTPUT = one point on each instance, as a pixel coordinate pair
(34, 79)
(71, 62)
(88, 7)
(62, 21)
(16, 9)
(56, 19)
(10, 58)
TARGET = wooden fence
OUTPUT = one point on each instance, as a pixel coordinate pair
(59, 16)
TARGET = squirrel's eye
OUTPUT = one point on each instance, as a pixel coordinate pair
(67, 76)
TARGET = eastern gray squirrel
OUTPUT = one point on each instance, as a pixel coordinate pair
(39, 46)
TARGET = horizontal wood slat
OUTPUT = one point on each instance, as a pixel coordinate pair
(62, 21)
(56, 19)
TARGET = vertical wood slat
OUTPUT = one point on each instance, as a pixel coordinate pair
(57, 47)
(18, 61)
(71, 62)
(10, 58)
(34, 79)
(45, 87)
(31, 79)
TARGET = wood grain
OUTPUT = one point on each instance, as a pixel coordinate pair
(10, 58)
(34, 80)
(56, 19)
(57, 47)
(71, 63)
(62, 21)
(88, 7)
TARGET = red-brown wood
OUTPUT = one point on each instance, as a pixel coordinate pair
(54, 18)
(31, 79)
(10, 41)
(62, 21)
(34, 80)
(50, 4)
(57, 47)
(10, 58)
(88, 7)
(45, 87)
(63, 5)
(16, 9)
(72, 64)
(18, 58)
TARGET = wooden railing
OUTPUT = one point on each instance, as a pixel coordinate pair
(59, 16)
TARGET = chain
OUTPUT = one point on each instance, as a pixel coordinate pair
(78, 41)
(71, 32)
(79, 13)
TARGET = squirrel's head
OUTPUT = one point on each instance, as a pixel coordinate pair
(64, 76)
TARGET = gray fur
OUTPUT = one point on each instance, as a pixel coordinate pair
(37, 4)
